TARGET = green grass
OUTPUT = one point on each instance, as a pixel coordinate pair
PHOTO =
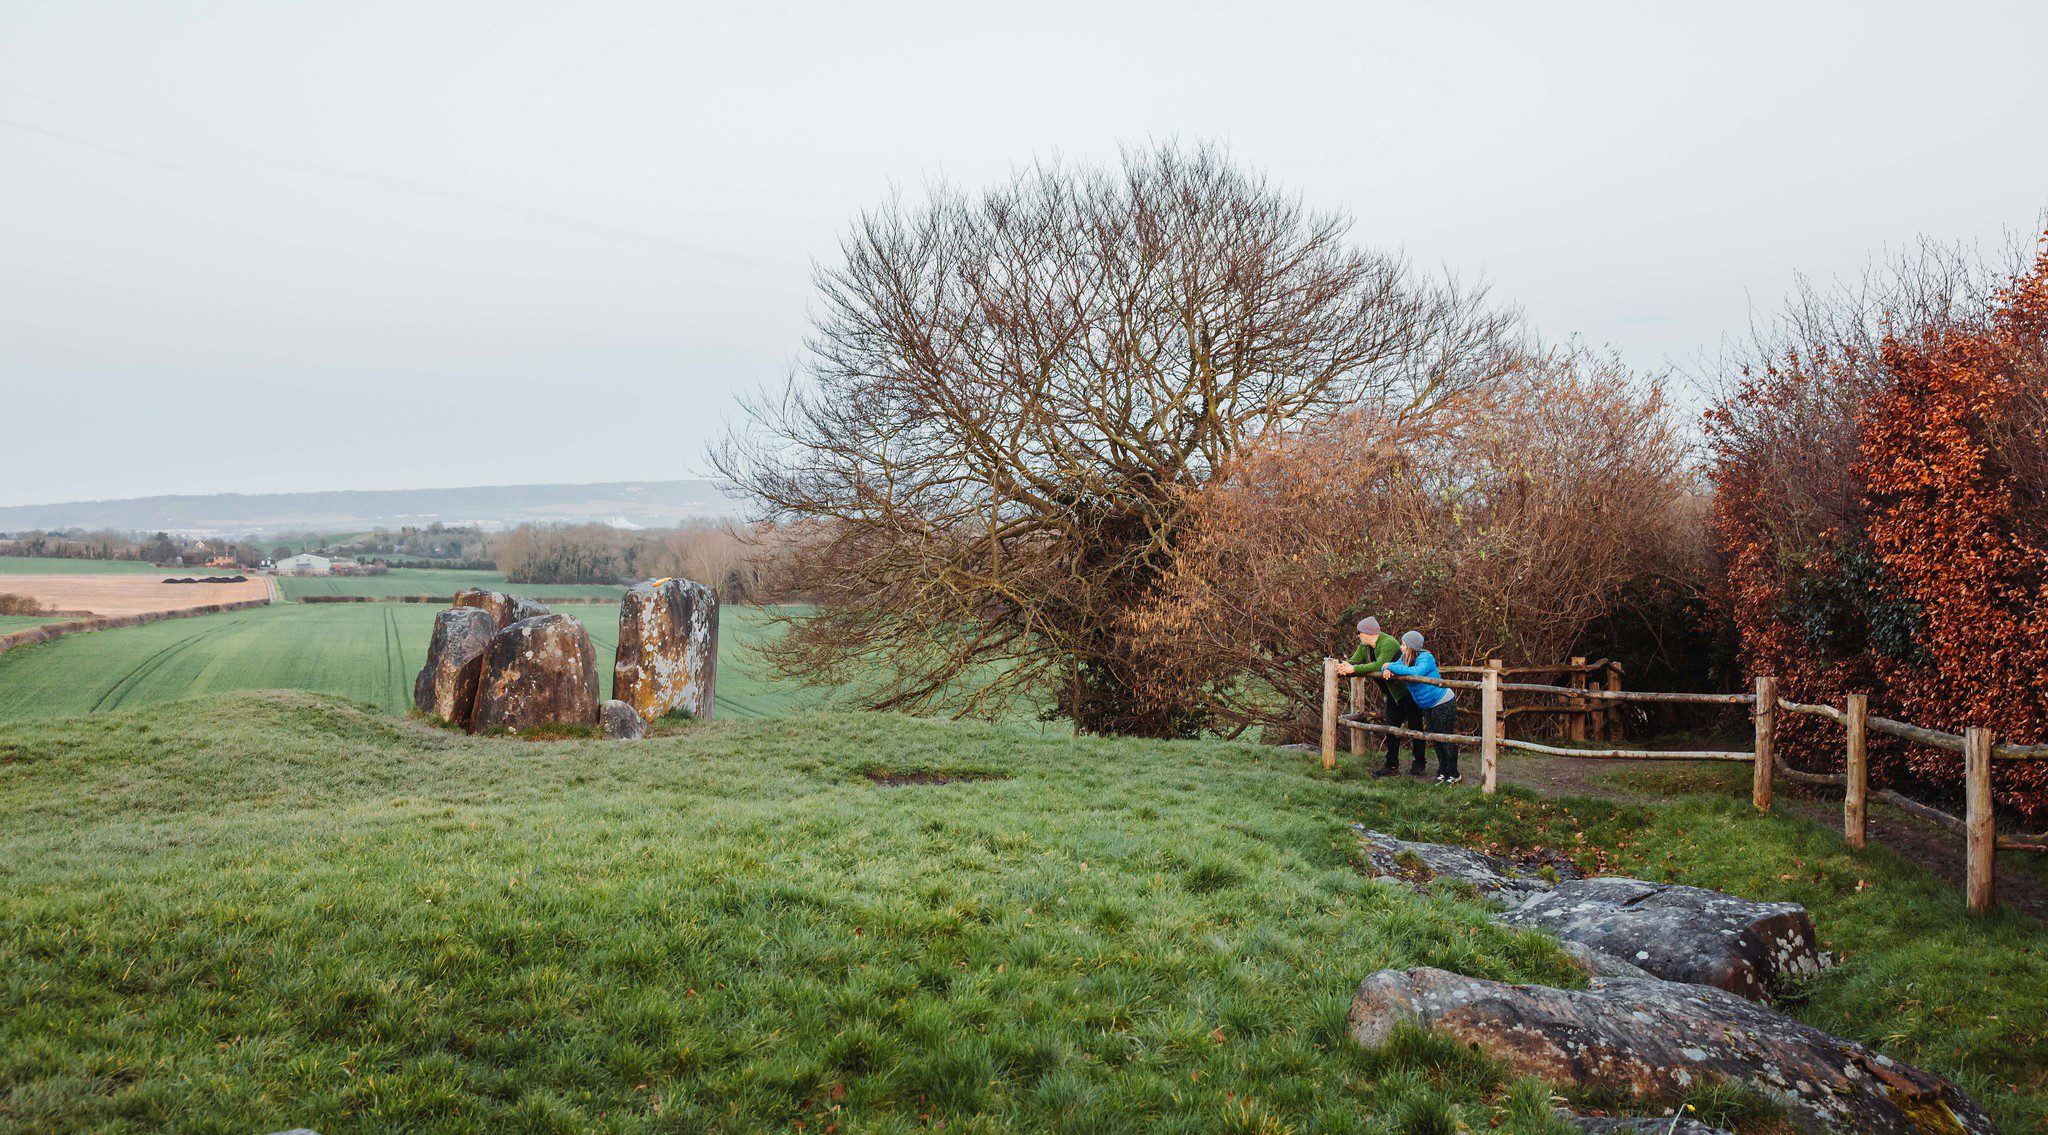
(369, 652)
(11, 623)
(45, 565)
(435, 581)
(256, 911)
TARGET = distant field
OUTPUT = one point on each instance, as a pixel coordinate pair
(11, 623)
(369, 652)
(46, 565)
(434, 581)
(398, 581)
(117, 593)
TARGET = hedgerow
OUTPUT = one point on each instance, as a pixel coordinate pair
(1879, 500)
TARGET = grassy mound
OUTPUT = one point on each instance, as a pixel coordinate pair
(255, 911)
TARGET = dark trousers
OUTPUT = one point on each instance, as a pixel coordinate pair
(1441, 718)
(1399, 710)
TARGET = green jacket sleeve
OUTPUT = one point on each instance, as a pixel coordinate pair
(1382, 650)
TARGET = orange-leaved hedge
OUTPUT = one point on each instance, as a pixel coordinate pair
(1884, 524)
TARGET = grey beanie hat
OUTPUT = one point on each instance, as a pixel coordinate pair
(1369, 625)
(1412, 640)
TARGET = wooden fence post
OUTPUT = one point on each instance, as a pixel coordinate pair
(1578, 682)
(1357, 704)
(1489, 727)
(1614, 730)
(1855, 718)
(1500, 729)
(1329, 713)
(1766, 718)
(1979, 823)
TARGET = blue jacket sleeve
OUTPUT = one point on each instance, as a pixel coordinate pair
(1424, 666)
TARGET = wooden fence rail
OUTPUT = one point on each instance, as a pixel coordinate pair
(1597, 704)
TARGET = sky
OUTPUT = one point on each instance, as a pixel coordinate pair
(363, 245)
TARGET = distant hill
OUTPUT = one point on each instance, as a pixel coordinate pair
(644, 504)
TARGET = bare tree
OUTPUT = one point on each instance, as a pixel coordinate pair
(1007, 395)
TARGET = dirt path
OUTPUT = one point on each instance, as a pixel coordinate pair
(2023, 887)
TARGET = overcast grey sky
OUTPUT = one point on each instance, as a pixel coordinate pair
(274, 247)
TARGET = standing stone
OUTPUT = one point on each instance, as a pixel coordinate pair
(619, 722)
(446, 687)
(668, 648)
(537, 671)
(506, 609)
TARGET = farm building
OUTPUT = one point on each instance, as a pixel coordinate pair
(305, 563)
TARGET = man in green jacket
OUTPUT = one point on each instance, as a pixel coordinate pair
(1376, 648)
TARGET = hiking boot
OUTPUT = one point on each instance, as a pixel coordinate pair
(1417, 770)
(1388, 770)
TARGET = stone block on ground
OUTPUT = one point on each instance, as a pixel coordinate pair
(446, 686)
(1679, 933)
(619, 722)
(668, 648)
(1658, 1040)
(1417, 863)
(505, 609)
(1636, 1124)
(537, 671)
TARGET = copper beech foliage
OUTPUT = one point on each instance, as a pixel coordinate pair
(1501, 524)
(1887, 533)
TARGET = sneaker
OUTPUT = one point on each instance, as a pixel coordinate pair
(1448, 780)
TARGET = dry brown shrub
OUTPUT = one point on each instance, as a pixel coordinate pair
(1500, 527)
(12, 604)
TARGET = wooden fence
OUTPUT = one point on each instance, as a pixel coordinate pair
(1978, 825)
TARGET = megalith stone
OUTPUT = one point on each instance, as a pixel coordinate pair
(668, 648)
(1657, 1040)
(505, 609)
(446, 686)
(537, 671)
(1679, 933)
(619, 721)
(1417, 863)
(1637, 1124)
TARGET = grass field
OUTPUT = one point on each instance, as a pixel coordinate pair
(434, 581)
(43, 565)
(369, 652)
(259, 911)
(11, 623)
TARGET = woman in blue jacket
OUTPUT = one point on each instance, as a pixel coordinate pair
(1439, 706)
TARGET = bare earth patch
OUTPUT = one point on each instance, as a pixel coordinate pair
(131, 594)
(900, 779)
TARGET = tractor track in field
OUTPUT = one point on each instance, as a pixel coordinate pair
(126, 683)
(394, 658)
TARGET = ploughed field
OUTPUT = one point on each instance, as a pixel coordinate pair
(257, 911)
(369, 652)
(129, 593)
